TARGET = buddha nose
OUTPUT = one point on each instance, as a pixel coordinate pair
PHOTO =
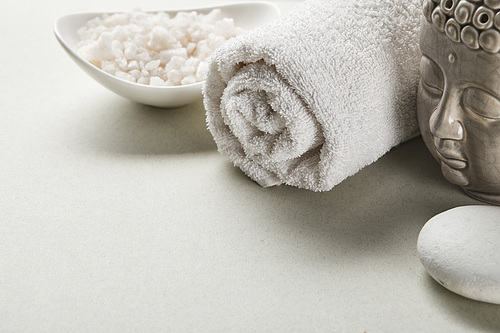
(444, 122)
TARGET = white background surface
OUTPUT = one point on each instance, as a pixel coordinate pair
(117, 217)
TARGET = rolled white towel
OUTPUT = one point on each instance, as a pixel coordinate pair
(318, 94)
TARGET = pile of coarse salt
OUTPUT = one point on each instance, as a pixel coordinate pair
(154, 48)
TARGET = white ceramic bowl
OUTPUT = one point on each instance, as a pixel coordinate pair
(247, 15)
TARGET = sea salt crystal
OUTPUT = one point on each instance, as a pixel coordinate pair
(153, 64)
(154, 48)
(130, 50)
(175, 76)
(156, 81)
(136, 74)
(201, 70)
(144, 56)
(166, 55)
(189, 79)
(143, 80)
(159, 38)
(133, 65)
(109, 66)
(125, 76)
(190, 48)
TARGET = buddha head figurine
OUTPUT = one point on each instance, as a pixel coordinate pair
(458, 100)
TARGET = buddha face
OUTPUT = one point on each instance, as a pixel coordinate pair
(459, 112)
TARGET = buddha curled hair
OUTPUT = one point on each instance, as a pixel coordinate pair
(476, 23)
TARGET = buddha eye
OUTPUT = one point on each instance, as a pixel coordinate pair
(431, 76)
(481, 103)
(432, 88)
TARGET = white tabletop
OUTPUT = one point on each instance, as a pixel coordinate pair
(118, 217)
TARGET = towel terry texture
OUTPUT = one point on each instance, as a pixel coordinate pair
(317, 94)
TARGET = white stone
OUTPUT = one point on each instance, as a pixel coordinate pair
(460, 249)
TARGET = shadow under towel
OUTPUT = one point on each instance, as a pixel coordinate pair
(319, 93)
